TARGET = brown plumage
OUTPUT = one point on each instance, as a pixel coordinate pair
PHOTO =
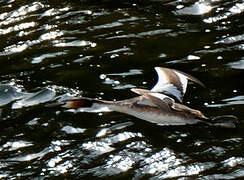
(161, 105)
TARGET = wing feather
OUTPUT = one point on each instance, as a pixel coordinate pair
(173, 83)
(160, 100)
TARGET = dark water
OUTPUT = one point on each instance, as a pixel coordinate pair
(102, 49)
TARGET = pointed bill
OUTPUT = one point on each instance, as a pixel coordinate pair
(173, 82)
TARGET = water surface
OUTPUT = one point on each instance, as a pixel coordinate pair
(101, 49)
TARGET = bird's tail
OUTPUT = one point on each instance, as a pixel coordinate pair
(83, 104)
(226, 121)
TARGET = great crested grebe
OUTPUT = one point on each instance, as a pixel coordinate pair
(161, 105)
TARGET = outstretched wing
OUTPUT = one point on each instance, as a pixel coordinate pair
(173, 83)
(160, 100)
(166, 103)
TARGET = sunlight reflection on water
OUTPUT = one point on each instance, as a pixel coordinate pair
(12, 146)
(54, 50)
(199, 8)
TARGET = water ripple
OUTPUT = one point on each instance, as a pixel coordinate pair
(54, 50)
(20, 14)
(223, 13)
(12, 146)
(17, 28)
(236, 100)
(9, 93)
(165, 164)
(198, 8)
(237, 64)
(231, 39)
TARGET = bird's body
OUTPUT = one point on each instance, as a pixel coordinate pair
(161, 105)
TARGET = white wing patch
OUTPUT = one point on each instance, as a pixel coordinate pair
(162, 80)
(172, 90)
(183, 80)
(172, 82)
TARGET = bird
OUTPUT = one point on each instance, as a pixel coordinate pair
(161, 105)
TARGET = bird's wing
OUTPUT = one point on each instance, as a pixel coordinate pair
(166, 103)
(160, 100)
(173, 82)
